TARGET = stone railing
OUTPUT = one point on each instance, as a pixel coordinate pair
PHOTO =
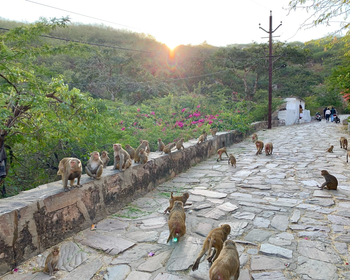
(39, 218)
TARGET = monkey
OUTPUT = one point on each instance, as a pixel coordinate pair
(172, 199)
(213, 131)
(232, 160)
(69, 169)
(180, 144)
(144, 145)
(94, 167)
(176, 222)
(330, 149)
(215, 239)
(254, 137)
(259, 146)
(268, 148)
(227, 264)
(160, 145)
(105, 159)
(331, 182)
(202, 138)
(343, 143)
(130, 150)
(123, 156)
(220, 152)
(51, 261)
(167, 148)
(143, 156)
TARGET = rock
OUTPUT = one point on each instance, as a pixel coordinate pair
(154, 263)
(261, 222)
(314, 269)
(203, 229)
(295, 217)
(237, 228)
(137, 275)
(202, 206)
(318, 251)
(213, 214)
(143, 236)
(244, 215)
(209, 193)
(117, 272)
(85, 271)
(267, 263)
(280, 222)
(271, 250)
(112, 225)
(71, 256)
(257, 235)
(152, 223)
(339, 220)
(275, 275)
(166, 276)
(228, 207)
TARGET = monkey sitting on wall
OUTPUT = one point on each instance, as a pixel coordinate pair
(121, 157)
(94, 167)
(180, 144)
(130, 150)
(167, 149)
(215, 239)
(227, 264)
(144, 145)
(105, 158)
(176, 222)
(69, 169)
(160, 145)
(202, 138)
(213, 131)
(172, 199)
(331, 182)
(143, 156)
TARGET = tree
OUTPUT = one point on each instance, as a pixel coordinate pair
(31, 100)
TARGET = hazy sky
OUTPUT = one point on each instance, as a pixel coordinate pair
(220, 23)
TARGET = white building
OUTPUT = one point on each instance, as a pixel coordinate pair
(290, 112)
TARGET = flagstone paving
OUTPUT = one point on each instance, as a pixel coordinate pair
(284, 226)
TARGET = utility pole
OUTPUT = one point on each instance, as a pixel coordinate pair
(270, 68)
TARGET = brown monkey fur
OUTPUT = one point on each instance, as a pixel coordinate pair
(176, 222)
(130, 150)
(268, 148)
(69, 169)
(167, 148)
(202, 138)
(172, 199)
(343, 143)
(215, 239)
(122, 159)
(144, 145)
(232, 160)
(347, 156)
(227, 264)
(160, 145)
(254, 137)
(259, 146)
(94, 167)
(213, 131)
(105, 158)
(330, 149)
(180, 144)
(52, 261)
(143, 156)
(220, 152)
(331, 182)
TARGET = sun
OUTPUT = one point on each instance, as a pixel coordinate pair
(171, 45)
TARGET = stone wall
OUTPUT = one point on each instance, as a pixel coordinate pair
(39, 218)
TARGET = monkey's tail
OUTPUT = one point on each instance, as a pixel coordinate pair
(171, 234)
(209, 247)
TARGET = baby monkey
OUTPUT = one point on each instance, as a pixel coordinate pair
(160, 145)
(330, 149)
(51, 261)
(143, 156)
(232, 160)
(105, 158)
(331, 182)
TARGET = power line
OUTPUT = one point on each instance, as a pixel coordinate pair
(83, 15)
(86, 43)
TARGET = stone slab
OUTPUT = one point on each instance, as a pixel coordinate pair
(267, 263)
(137, 275)
(117, 272)
(71, 256)
(228, 207)
(244, 215)
(112, 225)
(108, 244)
(154, 263)
(85, 271)
(184, 254)
(212, 214)
(143, 236)
(166, 276)
(339, 220)
(280, 222)
(313, 269)
(318, 251)
(295, 217)
(237, 228)
(153, 223)
(258, 235)
(272, 250)
(207, 193)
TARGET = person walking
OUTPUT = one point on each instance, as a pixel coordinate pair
(332, 113)
(324, 112)
(328, 113)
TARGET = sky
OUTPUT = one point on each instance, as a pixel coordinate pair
(219, 23)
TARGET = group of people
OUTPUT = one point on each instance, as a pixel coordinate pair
(329, 113)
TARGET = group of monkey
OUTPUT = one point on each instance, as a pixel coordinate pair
(71, 168)
(224, 258)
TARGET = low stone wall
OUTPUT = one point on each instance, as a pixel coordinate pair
(39, 218)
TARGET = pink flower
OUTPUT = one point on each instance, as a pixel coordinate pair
(198, 106)
(153, 113)
(210, 122)
(123, 128)
(138, 110)
(194, 122)
(135, 123)
(164, 129)
(121, 122)
(190, 116)
(174, 114)
(183, 110)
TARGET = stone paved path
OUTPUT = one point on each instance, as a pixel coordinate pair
(287, 227)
